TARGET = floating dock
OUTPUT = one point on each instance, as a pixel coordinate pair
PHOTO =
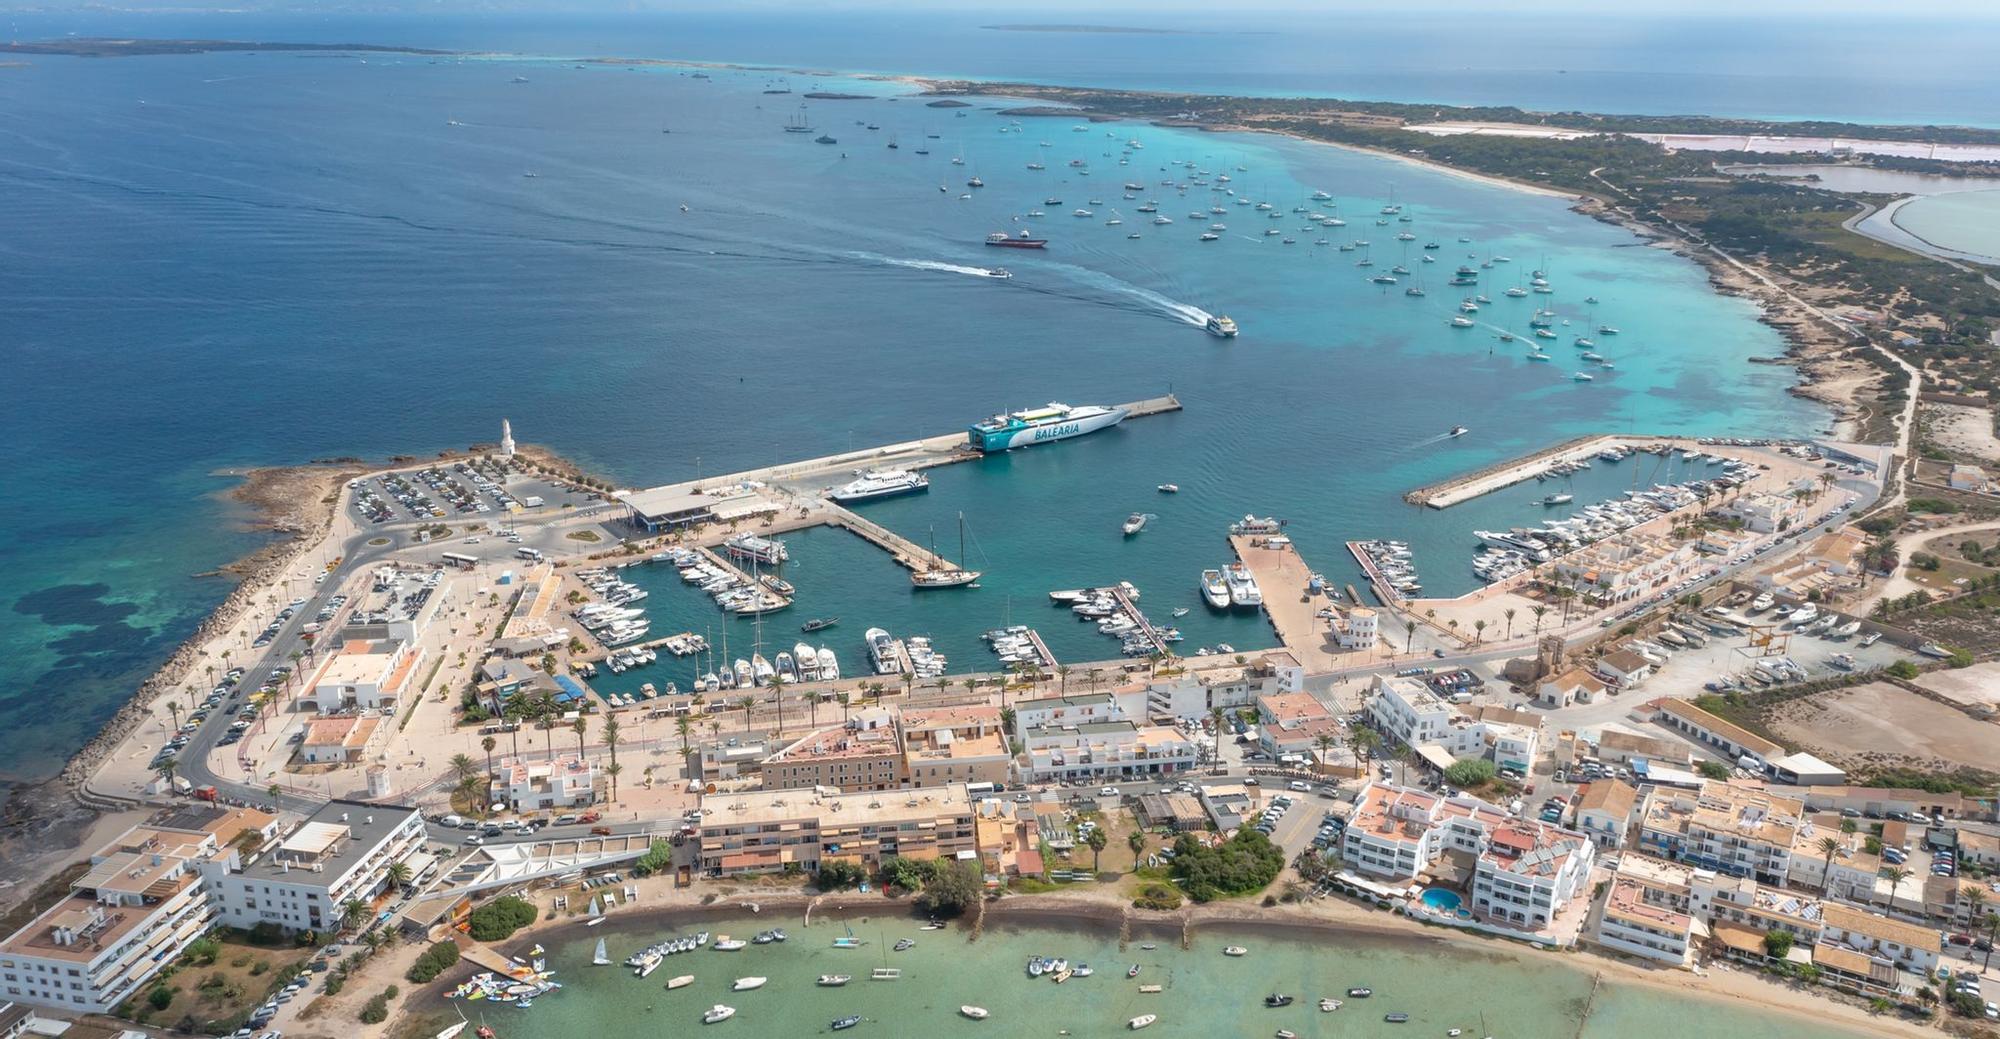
(728, 565)
(1383, 590)
(1137, 616)
(1520, 470)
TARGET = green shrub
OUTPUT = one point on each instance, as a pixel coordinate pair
(376, 1010)
(836, 875)
(1158, 896)
(434, 961)
(657, 858)
(161, 997)
(1238, 866)
(497, 920)
(334, 983)
(1470, 772)
(1904, 669)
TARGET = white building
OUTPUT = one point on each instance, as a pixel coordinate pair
(143, 901)
(1106, 750)
(1407, 709)
(527, 786)
(1525, 872)
(1079, 708)
(369, 675)
(1357, 628)
(1765, 512)
(1648, 911)
(342, 852)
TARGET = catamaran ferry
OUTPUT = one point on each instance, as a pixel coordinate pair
(880, 483)
(1005, 432)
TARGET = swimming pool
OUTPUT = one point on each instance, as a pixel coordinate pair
(1442, 900)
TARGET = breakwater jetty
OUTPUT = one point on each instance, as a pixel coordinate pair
(1447, 493)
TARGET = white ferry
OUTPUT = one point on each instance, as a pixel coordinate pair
(1007, 431)
(870, 484)
(1220, 325)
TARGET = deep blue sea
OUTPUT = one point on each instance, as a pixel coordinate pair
(238, 259)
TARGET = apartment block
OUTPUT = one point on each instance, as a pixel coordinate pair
(767, 831)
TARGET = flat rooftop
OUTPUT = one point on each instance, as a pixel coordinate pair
(765, 807)
(338, 835)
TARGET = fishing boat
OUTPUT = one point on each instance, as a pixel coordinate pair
(1329, 1005)
(1279, 999)
(724, 943)
(1141, 1021)
(973, 1012)
(718, 1013)
(834, 980)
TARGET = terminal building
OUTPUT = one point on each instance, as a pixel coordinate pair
(661, 509)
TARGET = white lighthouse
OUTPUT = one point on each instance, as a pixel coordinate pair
(506, 438)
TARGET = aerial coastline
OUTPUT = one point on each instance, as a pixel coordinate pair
(482, 599)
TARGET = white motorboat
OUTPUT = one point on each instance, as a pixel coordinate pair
(1243, 590)
(680, 981)
(746, 984)
(718, 1013)
(1235, 950)
(973, 1012)
(1141, 1021)
(834, 980)
(1214, 589)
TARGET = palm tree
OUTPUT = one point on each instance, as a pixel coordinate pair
(684, 725)
(1975, 905)
(1992, 922)
(1478, 631)
(463, 767)
(353, 911)
(166, 769)
(778, 698)
(1325, 742)
(1409, 636)
(579, 727)
(744, 704)
(399, 874)
(1896, 875)
(513, 711)
(846, 701)
(1062, 672)
(1136, 840)
(1217, 713)
(1828, 847)
(1094, 675)
(1363, 740)
(611, 744)
(1509, 612)
(1539, 612)
(1097, 840)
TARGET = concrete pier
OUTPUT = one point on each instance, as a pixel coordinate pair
(1284, 578)
(1519, 470)
(907, 554)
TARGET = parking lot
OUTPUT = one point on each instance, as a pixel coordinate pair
(467, 489)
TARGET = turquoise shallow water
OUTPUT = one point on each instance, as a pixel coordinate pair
(1966, 222)
(242, 259)
(1206, 993)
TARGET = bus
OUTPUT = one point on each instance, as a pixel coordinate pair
(982, 789)
(533, 554)
(459, 560)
